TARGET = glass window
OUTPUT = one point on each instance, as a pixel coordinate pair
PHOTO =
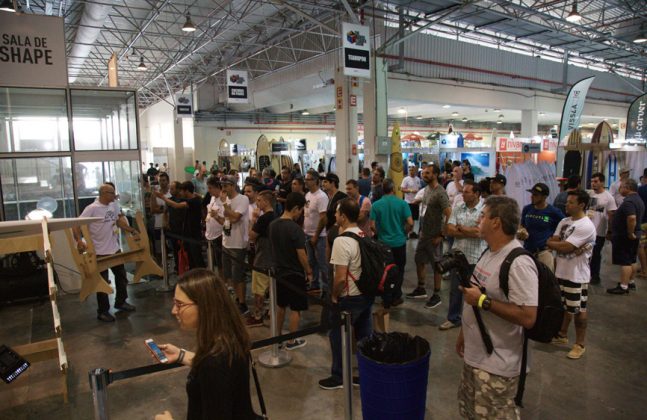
(28, 184)
(104, 120)
(33, 120)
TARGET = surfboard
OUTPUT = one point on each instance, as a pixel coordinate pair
(396, 167)
(275, 158)
(263, 159)
(573, 158)
(223, 155)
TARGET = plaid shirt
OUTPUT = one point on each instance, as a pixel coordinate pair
(464, 216)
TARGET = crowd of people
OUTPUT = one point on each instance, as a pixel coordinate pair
(288, 227)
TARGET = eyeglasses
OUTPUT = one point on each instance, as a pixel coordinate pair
(179, 305)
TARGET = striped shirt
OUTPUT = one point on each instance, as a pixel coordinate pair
(464, 216)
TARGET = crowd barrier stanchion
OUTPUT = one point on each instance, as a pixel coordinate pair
(165, 287)
(275, 357)
(99, 385)
(210, 256)
(346, 354)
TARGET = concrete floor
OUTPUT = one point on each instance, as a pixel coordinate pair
(607, 383)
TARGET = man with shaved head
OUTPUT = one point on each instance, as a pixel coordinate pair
(105, 236)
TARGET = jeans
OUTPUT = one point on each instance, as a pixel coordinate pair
(318, 263)
(121, 281)
(456, 297)
(400, 259)
(596, 258)
(360, 314)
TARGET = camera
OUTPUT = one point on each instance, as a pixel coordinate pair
(455, 259)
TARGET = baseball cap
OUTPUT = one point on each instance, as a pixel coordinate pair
(539, 188)
(625, 170)
(228, 179)
(498, 178)
(332, 177)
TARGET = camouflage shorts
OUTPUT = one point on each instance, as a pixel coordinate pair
(483, 395)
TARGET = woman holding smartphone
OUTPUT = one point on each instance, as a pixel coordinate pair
(218, 383)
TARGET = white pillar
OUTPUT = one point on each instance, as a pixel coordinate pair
(346, 126)
(178, 163)
(529, 120)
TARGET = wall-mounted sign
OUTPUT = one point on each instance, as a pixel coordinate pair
(506, 144)
(237, 87)
(183, 104)
(279, 147)
(32, 50)
(356, 43)
(637, 121)
(353, 100)
(531, 148)
(549, 144)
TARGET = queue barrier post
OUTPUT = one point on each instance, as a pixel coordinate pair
(210, 263)
(99, 381)
(346, 354)
(165, 287)
(275, 357)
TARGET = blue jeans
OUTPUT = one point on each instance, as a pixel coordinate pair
(456, 297)
(360, 314)
(318, 263)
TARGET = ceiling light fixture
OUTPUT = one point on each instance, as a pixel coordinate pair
(464, 119)
(541, 114)
(402, 110)
(305, 112)
(497, 110)
(447, 106)
(500, 115)
(7, 6)
(574, 16)
(419, 117)
(640, 38)
(188, 25)
(454, 114)
(142, 65)
(499, 122)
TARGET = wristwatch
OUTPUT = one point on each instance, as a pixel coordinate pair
(487, 302)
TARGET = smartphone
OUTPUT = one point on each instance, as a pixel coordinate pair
(157, 352)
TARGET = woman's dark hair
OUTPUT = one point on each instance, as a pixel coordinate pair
(220, 327)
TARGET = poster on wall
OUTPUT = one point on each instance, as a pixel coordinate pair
(237, 87)
(357, 50)
(183, 104)
(481, 163)
(636, 121)
(32, 50)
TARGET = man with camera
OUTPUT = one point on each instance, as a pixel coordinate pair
(490, 377)
(463, 227)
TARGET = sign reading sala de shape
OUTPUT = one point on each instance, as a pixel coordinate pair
(32, 51)
(357, 50)
(237, 86)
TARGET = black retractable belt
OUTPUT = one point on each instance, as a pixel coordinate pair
(259, 393)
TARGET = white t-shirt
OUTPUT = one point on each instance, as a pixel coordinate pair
(159, 217)
(614, 190)
(238, 235)
(410, 183)
(316, 203)
(419, 197)
(599, 211)
(213, 228)
(574, 266)
(104, 233)
(455, 196)
(345, 251)
(507, 338)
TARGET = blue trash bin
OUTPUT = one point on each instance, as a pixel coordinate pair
(393, 391)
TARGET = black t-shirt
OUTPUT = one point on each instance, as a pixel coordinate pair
(216, 390)
(285, 188)
(631, 205)
(263, 257)
(364, 186)
(332, 208)
(286, 237)
(193, 218)
(176, 217)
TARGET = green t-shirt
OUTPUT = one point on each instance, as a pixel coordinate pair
(390, 214)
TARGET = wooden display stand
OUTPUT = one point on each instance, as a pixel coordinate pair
(90, 266)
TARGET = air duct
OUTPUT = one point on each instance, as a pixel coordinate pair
(90, 27)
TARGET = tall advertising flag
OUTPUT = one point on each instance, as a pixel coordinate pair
(636, 121)
(571, 115)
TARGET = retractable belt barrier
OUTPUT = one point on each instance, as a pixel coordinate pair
(100, 378)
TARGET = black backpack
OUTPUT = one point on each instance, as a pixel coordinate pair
(379, 271)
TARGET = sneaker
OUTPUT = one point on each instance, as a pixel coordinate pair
(632, 286)
(331, 383)
(105, 317)
(252, 321)
(576, 352)
(356, 381)
(558, 339)
(595, 281)
(297, 343)
(618, 290)
(433, 301)
(127, 307)
(244, 310)
(413, 235)
(418, 293)
(448, 325)
(397, 302)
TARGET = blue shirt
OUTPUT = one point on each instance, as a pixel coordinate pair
(540, 224)
(390, 214)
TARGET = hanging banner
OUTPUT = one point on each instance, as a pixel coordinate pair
(32, 50)
(237, 87)
(183, 104)
(636, 121)
(357, 50)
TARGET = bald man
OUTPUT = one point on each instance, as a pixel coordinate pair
(105, 236)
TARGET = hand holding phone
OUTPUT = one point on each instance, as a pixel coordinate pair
(157, 352)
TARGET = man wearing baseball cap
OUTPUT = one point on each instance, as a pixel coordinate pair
(538, 221)
(614, 189)
(497, 184)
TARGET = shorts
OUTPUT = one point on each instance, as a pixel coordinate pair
(546, 256)
(426, 252)
(233, 264)
(574, 296)
(483, 395)
(623, 251)
(643, 238)
(286, 297)
(415, 211)
(216, 251)
(260, 282)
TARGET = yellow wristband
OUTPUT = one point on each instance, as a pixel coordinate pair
(481, 299)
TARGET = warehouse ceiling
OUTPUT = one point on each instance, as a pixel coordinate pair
(262, 36)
